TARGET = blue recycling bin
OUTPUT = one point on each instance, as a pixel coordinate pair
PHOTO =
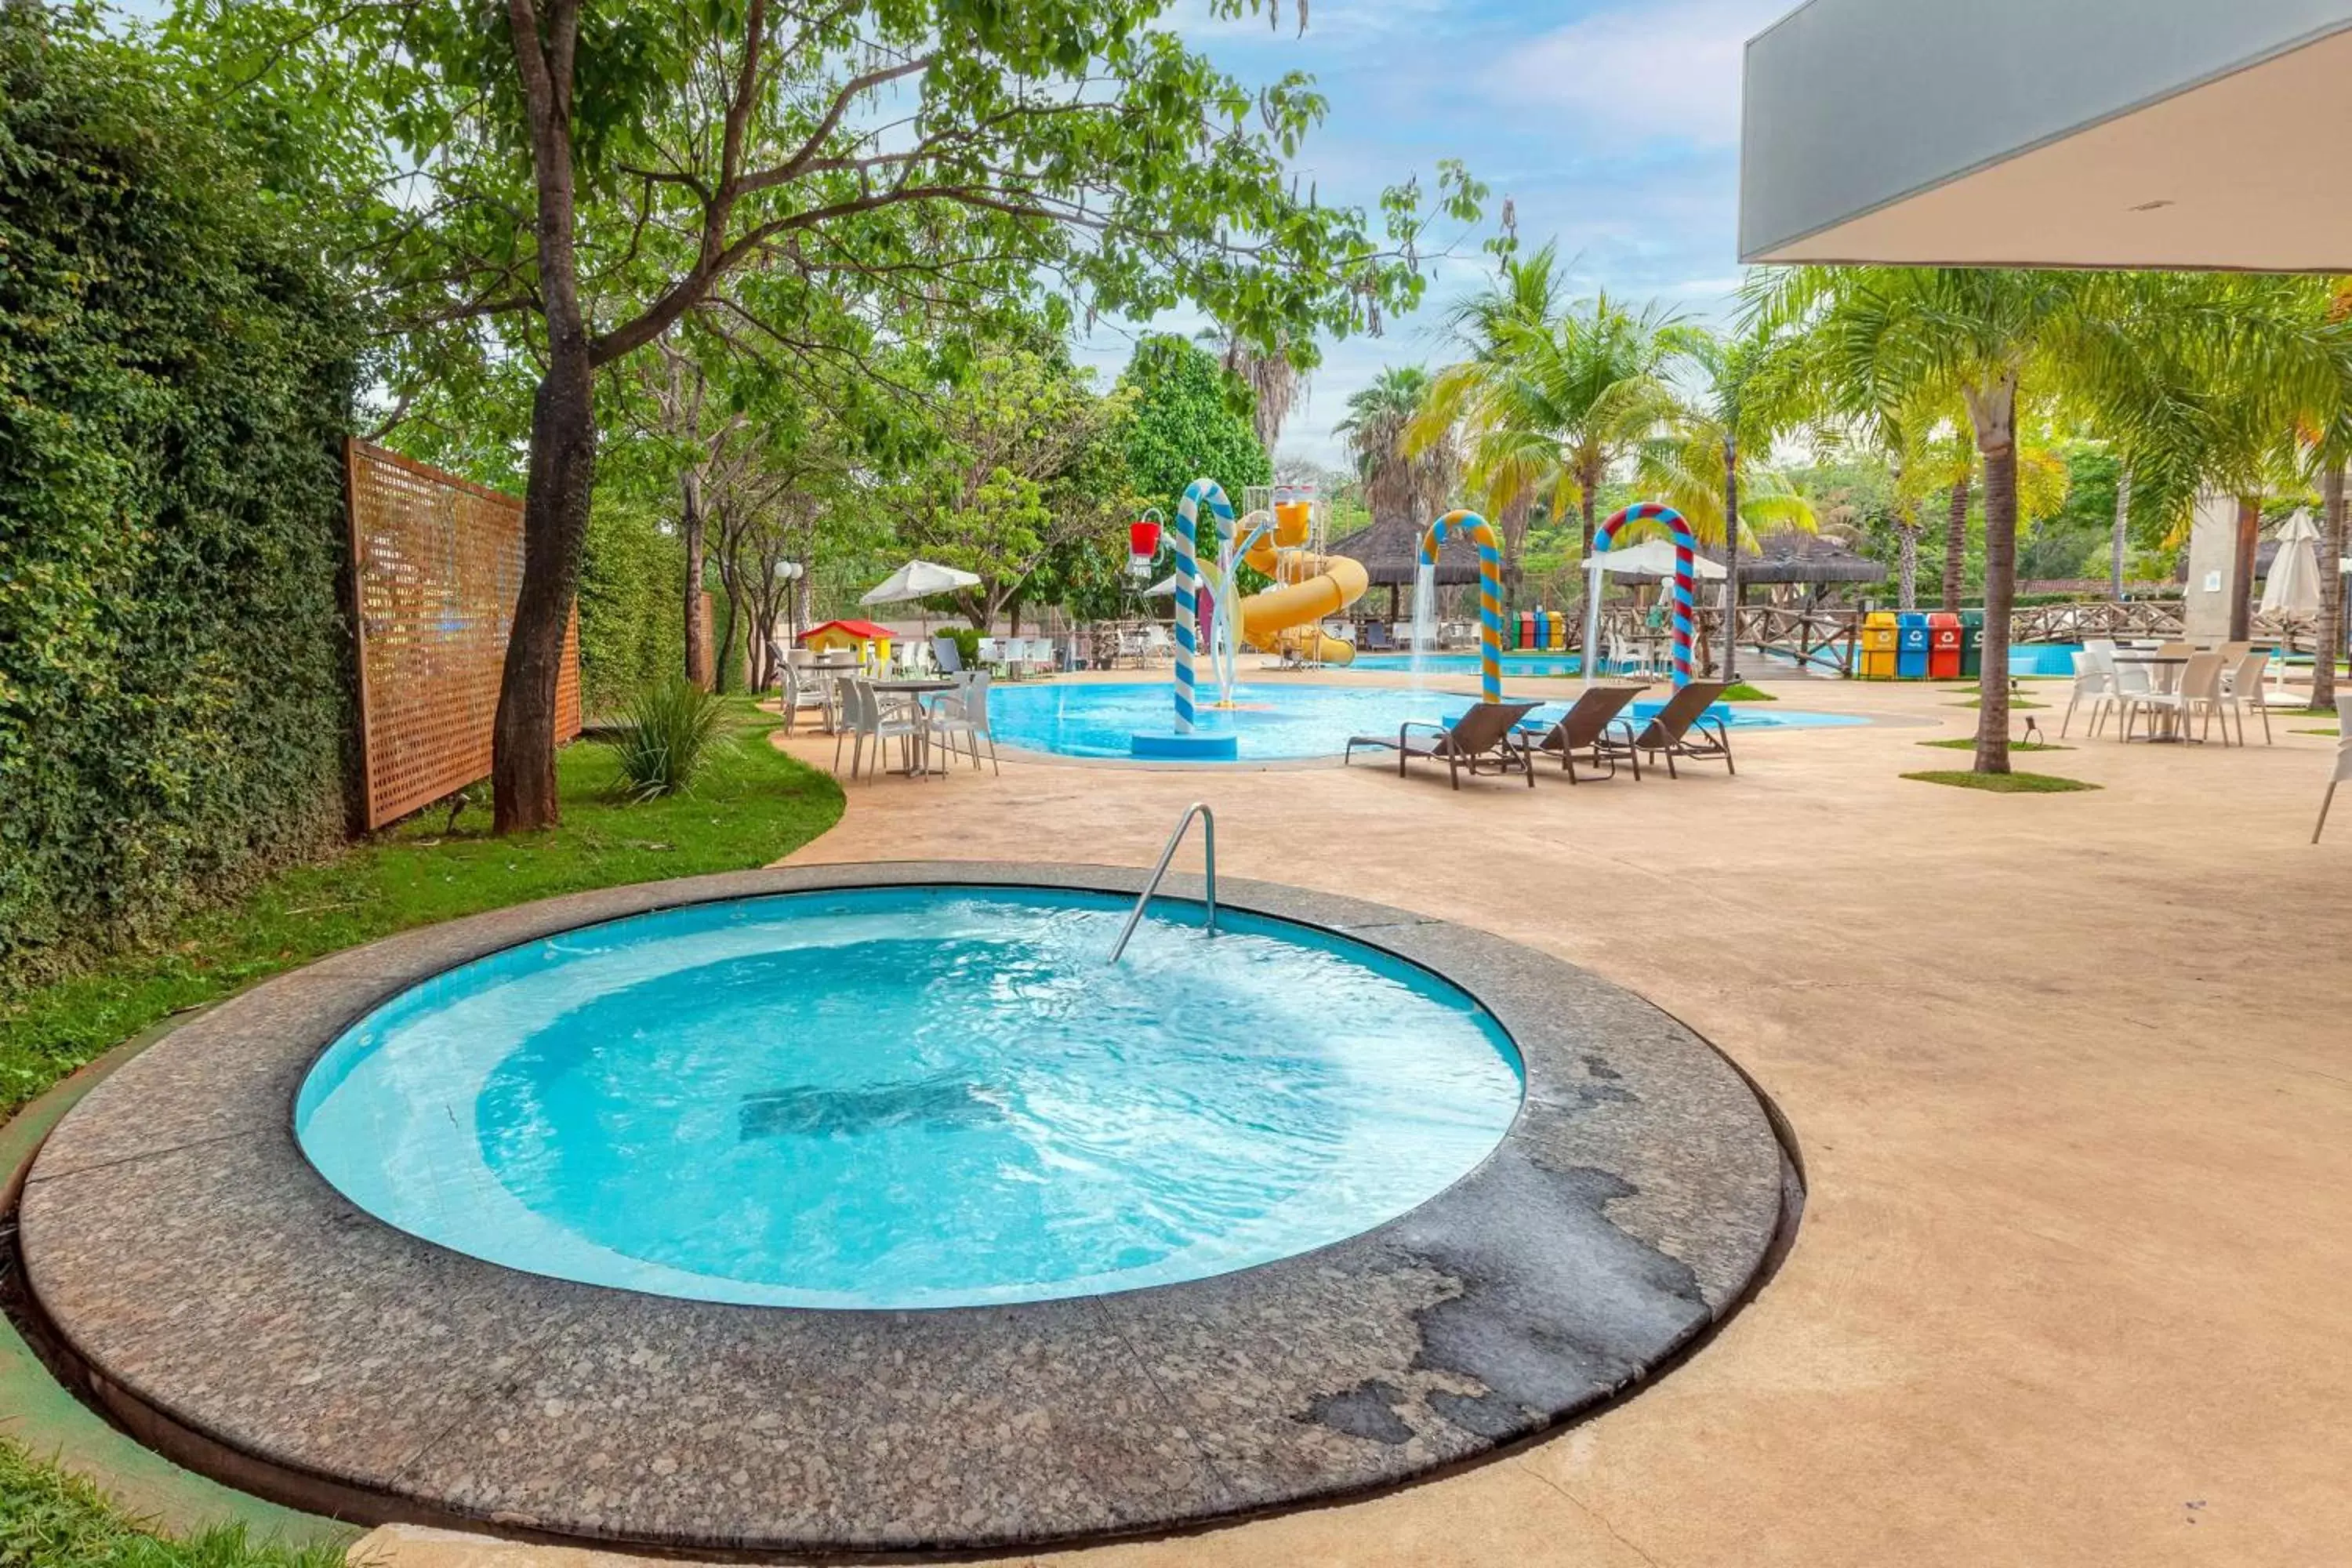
(1911, 642)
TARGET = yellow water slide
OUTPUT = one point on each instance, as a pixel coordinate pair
(1308, 590)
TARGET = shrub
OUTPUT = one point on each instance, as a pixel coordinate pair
(669, 735)
(967, 641)
(632, 584)
(176, 375)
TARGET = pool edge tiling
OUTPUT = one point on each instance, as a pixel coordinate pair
(220, 1291)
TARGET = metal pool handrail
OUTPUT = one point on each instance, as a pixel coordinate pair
(1198, 808)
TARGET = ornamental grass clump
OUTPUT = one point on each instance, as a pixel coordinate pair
(669, 732)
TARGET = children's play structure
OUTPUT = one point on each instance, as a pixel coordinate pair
(1282, 537)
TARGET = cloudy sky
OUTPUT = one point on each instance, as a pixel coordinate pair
(1613, 124)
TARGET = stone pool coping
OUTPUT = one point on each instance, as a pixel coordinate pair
(233, 1309)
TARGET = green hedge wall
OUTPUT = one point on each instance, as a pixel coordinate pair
(175, 375)
(632, 588)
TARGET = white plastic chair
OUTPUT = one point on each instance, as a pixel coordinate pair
(863, 718)
(964, 713)
(2091, 684)
(2242, 683)
(806, 687)
(2200, 689)
(2343, 763)
(2129, 684)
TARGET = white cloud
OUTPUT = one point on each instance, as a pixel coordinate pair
(1642, 74)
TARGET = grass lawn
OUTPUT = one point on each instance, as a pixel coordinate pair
(753, 805)
(2003, 783)
(1968, 744)
(1740, 691)
(2330, 730)
(50, 1519)
(2015, 702)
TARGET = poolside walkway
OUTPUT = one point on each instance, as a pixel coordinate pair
(2073, 1083)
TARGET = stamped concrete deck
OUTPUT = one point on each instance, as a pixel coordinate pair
(2073, 1081)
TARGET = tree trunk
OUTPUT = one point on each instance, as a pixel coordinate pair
(1589, 483)
(2122, 535)
(563, 475)
(1514, 527)
(1907, 587)
(1730, 558)
(1993, 410)
(1956, 543)
(562, 469)
(1590, 585)
(698, 667)
(2241, 568)
(2332, 551)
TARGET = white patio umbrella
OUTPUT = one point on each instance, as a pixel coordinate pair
(918, 580)
(1651, 558)
(2293, 586)
(1163, 589)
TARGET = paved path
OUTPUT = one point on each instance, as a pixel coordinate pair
(2072, 1076)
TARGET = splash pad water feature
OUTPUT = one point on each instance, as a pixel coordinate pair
(1685, 585)
(1478, 531)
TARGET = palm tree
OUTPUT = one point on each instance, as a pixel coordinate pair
(1397, 480)
(1276, 378)
(2125, 345)
(1551, 394)
(1712, 463)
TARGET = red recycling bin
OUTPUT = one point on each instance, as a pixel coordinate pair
(1944, 646)
(1527, 629)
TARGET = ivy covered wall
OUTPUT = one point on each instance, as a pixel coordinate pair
(176, 377)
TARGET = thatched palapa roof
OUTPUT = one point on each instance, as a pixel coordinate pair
(1391, 551)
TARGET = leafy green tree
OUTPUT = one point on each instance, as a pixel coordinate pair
(1190, 421)
(1029, 467)
(577, 179)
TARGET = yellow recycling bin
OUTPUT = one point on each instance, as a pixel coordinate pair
(1880, 633)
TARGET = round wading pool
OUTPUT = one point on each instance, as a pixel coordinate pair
(567, 1218)
(910, 1097)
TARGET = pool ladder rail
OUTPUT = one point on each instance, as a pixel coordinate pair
(1198, 808)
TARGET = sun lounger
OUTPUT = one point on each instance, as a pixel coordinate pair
(1681, 728)
(1485, 739)
(1582, 730)
(1376, 638)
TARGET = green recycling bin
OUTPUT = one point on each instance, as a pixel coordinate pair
(1972, 644)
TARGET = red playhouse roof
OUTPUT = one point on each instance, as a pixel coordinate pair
(867, 629)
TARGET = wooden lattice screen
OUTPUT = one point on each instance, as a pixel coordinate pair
(436, 564)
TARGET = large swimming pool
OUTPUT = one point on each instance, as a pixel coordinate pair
(1285, 722)
(911, 1097)
(2024, 659)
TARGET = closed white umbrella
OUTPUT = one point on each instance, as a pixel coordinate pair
(2293, 586)
(1164, 588)
(918, 580)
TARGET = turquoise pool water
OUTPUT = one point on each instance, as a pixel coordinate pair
(2024, 659)
(921, 1097)
(1275, 722)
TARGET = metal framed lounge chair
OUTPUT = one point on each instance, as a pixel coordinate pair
(1583, 727)
(1485, 739)
(946, 656)
(1680, 729)
(1376, 638)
